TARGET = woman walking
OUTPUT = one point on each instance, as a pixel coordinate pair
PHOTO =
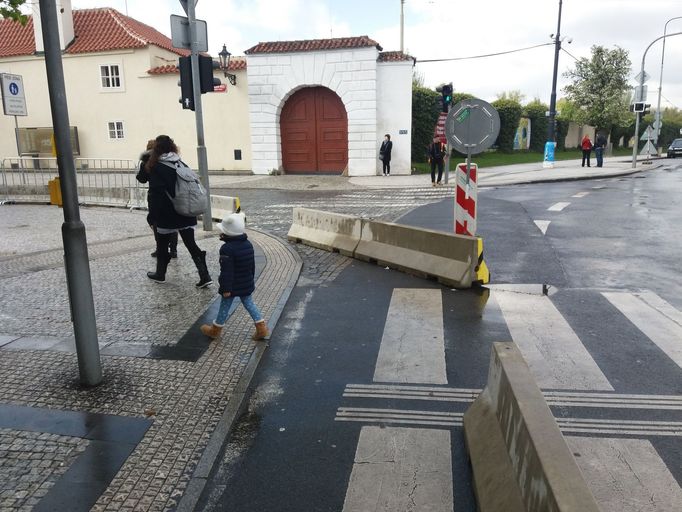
(161, 168)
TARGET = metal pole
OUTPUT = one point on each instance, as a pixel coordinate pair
(73, 231)
(198, 112)
(551, 131)
(660, 80)
(402, 27)
(16, 134)
(635, 145)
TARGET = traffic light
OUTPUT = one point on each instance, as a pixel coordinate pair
(638, 106)
(647, 107)
(206, 79)
(446, 92)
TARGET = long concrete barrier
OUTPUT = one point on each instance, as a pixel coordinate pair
(453, 260)
(222, 206)
(520, 460)
(324, 230)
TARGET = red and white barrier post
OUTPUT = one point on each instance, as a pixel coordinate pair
(465, 200)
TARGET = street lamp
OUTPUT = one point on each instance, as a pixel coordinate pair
(660, 80)
(224, 56)
(551, 125)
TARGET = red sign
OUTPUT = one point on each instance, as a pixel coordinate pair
(220, 88)
(439, 131)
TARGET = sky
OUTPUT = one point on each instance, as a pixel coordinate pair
(443, 29)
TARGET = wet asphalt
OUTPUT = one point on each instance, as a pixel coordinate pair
(288, 453)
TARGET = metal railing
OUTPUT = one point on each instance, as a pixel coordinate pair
(100, 181)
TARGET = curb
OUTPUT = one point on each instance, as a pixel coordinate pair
(238, 402)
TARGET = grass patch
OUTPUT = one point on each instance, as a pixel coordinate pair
(495, 158)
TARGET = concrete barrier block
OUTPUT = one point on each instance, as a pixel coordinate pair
(324, 230)
(449, 258)
(222, 206)
(519, 458)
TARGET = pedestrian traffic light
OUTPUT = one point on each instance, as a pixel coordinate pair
(638, 106)
(446, 92)
(206, 79)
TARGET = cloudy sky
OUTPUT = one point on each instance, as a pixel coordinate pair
(443, 29)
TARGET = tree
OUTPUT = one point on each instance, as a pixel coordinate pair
(535, 111)
(426, 106)
(600, 88)
(510, 114)
(10, 9)
(514, 95)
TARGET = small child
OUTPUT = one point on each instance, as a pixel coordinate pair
(237, 269)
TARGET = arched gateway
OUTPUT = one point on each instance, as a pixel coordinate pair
(314, 132)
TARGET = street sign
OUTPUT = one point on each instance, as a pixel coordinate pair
(648, 149)
(641, 93)
(472, 126)
(184, 5)
(180, 33)
(648, 133)
(439, 131)
(13, 99)
(641, 74)
(657, 123)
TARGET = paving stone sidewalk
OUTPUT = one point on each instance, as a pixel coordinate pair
(182, 401)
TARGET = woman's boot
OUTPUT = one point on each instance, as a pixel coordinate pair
(213, 331)
(261, 331)
(173, 245)
(204, 276)
(161, 265)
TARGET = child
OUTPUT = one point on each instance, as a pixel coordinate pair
(237, 269)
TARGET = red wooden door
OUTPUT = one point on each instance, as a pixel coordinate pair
(314, 131)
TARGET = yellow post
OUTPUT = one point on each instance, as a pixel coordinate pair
(54, 187)
(482, 271)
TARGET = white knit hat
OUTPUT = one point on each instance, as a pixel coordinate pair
(233, 224)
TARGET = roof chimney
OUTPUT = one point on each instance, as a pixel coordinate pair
(65, 22)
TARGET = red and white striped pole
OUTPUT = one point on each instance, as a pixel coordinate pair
(465, 200)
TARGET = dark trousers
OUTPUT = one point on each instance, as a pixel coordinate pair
(599, 153)
(386, 165)
(187, 235)
(435, 163)
(586, 156)
(172, 241)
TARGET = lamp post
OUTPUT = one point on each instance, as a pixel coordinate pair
(224, 57)
(551, 125)
(660, 80)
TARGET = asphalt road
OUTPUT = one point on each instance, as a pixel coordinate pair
(604, 346)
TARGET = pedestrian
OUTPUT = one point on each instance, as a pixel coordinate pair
(599, 146)
(162, 176)
(237, 271)
(586, 146)
(385, 154)
(436, 153)
(143, 177)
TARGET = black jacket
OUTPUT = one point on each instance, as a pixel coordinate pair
(237, 266)
(385, 150)
(161, 180)
(437, 151)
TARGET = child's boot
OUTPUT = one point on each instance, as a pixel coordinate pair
(261, 331)
(213, 331)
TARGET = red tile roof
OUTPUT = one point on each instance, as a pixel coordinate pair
(236, 64)
(395, 57)
(312, 45)
(96, 30)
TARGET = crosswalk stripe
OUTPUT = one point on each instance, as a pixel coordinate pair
(557, 207)
(413, 344)
(401, 469)
(626, 474)
(554, 353)
(657, 319)
(580, 194)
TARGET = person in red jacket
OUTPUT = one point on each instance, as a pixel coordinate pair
(586, 145)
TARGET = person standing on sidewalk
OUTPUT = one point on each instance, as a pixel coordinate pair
(143, 177)
(436, 157)
(586, 146)
(237, 274)
(599, 145)
(385, 154)
(162, 177)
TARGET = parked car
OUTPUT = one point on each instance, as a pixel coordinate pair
(675, 148)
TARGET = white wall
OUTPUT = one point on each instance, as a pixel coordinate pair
(352, 74)
(394, 108)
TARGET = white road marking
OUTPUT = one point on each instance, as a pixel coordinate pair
(557, 207)
(542, 225)
(580, 194)
(626, 474)
(657, 319)
(401, 469)
(413, 347)
(556, 356)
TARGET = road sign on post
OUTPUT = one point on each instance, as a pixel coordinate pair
(13, 99)
(180, 37)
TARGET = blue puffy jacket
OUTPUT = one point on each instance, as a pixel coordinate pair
(237, 266)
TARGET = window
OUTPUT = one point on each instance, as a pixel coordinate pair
(116, 130)
(110, 76)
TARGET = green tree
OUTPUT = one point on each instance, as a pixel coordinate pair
(535, 111)
(510, 114)
(514, 95)
(600, 88)
(10, 9)
(426, 106)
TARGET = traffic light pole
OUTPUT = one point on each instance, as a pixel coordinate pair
(198, 113)
(448, 154)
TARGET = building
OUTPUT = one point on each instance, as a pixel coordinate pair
(121, 81)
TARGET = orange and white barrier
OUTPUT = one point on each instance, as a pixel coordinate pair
(465, 200)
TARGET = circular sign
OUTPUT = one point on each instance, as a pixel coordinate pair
(472, 126)
(13, 88)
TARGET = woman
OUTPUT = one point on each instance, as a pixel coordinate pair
(162, 176)
(385, 154)
(586, 146)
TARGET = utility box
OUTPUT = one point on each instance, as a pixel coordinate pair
(54, 188)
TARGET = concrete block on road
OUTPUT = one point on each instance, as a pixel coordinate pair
(222, 206)
(519, 458)
(329, 231)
